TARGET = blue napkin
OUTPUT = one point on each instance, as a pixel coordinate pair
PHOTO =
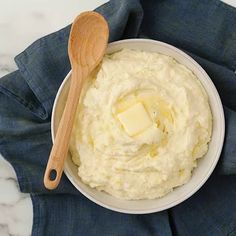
(205, 29)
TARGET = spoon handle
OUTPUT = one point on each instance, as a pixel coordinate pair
(60, 147)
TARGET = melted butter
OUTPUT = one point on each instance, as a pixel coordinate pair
(153, 150)
(157, 106)
(125, 103)
(158, 109)
(90, 141)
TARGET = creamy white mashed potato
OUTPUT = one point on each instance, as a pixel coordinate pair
(142, 123)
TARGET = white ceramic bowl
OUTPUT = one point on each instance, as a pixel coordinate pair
(205, 165)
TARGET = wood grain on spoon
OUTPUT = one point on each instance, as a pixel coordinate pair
(87, 44)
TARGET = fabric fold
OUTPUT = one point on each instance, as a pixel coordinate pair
(124, 20)
(17, 88)
(44, 65)
(205, 28)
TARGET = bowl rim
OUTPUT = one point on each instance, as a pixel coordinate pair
(181, 197)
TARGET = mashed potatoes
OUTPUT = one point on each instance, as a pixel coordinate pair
(142, 122)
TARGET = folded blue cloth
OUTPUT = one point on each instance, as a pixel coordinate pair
(206, 29)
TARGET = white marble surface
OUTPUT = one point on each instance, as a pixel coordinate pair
(22, 22)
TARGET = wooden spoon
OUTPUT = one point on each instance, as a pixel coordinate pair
(87, 44)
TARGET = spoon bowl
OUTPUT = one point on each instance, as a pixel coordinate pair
(88, 41)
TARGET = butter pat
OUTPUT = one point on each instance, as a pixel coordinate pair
(135, 119)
